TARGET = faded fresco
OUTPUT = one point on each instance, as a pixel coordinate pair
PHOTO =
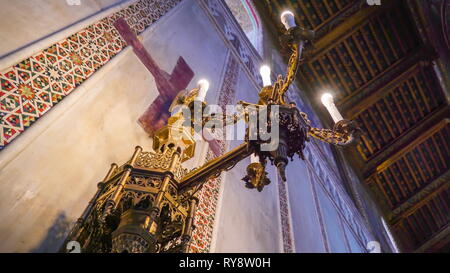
(126, 100)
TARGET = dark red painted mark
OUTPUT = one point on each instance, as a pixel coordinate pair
(156, 115)
(168, 86)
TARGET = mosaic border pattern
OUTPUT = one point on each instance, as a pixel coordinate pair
(33, 86)
(286, 227)
(249, 58)
(209, 194)
(30, 88)
(234, 36)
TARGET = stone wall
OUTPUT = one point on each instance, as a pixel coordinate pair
(49, 170)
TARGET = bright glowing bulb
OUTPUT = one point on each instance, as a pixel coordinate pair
(203, 86)
(288, 19)
(328, 102)
(327, 99)
(254, 158)
(265, 75)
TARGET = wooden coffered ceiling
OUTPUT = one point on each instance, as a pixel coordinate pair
(386, 66)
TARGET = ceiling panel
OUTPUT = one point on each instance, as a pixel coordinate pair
(400, 109)
(364, 54)
(380, 65)
(415, 169)
(312, 14)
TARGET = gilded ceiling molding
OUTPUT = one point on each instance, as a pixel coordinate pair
(338, 18)
(413, 143)
(434, 33)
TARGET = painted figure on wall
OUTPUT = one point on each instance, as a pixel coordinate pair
(168, 85)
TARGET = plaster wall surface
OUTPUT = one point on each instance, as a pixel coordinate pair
(248, 220)
(26, 21)
(49, 174)
(54, 170)
(304, 209)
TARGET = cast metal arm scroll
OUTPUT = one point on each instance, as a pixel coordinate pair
(344, 133)
(296, 39)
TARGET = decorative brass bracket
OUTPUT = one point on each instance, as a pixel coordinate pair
(148, 204)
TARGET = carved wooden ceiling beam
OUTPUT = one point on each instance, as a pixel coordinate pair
(379, 86)
(434, 34)
(402, 145)
(419, 199)
(398, 57)
(344, 25)
(436, 242)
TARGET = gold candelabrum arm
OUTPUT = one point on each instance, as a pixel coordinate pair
(342, 134)
(345, 132)
(214, 167)
(293, 64)
(275, 94)
(295, 38)
(148, 204)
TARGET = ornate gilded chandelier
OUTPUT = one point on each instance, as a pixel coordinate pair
(148, 204)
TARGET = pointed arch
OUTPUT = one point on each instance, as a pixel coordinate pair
(246, 15)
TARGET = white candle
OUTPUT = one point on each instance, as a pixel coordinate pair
(203, 86)
(175, 110)
(265, 75)
(288, 19)
(328, 102)
(254, 158)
